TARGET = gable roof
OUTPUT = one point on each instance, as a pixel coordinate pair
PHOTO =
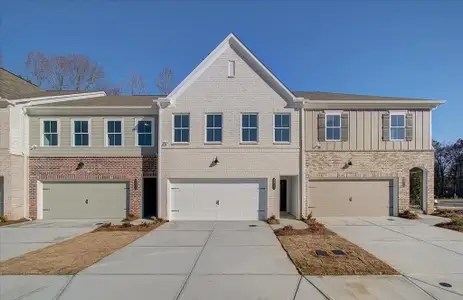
(232, 41)
(13, 86)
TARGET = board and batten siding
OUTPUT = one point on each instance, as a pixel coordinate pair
(365, 132)
(4, 128)
(97, 144)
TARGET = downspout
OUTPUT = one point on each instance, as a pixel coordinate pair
(158, 162)
(302, 182)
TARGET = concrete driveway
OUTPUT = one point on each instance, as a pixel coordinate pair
(20, 238)
(425, 254)
(205, 260)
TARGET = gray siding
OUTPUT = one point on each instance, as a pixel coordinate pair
(365, 133)
(4, 128)
(97, 144)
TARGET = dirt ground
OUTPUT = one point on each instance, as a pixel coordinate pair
(301, 246)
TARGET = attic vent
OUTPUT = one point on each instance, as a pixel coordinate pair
(231, 68)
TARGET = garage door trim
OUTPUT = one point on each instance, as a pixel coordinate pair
(263, 183)
(393, 180)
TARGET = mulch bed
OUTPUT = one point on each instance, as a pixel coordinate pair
(143, 227)
(302, 245)
(456, 217)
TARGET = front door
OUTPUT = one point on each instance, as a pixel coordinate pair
(283, 193)
(149, 197)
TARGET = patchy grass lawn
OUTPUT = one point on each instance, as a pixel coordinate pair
(74, 255)
(5, 222)
(456, 217)
(301, 246)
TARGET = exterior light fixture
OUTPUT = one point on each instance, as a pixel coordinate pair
(80, 165)
(274, 184)
(135, 184)
(215, 161)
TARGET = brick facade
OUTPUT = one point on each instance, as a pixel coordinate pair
(375, 164)
(95, 169)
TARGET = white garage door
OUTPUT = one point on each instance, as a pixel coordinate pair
(218, 199)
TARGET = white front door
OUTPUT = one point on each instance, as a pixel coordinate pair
(218, 199)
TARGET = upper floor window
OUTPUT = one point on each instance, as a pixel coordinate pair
(282, 128)
(333, 127)
(213, 128)
(397, 126)
(181, 128)
(145, 136)
(249, 128)
(81, 132)
(50, 133)
(114, 134)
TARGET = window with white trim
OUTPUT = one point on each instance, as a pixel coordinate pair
(213, 128)
(181, 128)
(114, 134)
(249, 128)
(145, 137)
(81, 133)
(333, 127)
(50, 133)
(282, 128)
(397, 126)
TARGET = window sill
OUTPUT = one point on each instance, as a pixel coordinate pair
(144, 146)
(212, 143)
(249, 143)
(83, 146)
(332, 140)
(397, 140)
(114, 146)
(282, 143)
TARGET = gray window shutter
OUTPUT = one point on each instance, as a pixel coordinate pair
(385, 127)
(409, 127)
(321, 127)
(344, 127)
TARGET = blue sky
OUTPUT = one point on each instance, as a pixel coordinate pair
(411, 48)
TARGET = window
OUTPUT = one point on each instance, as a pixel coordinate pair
(397, 127)
(182, 128)
(114, 135)
(145, 132)
(81, 133)
(282, 128)
(333, 127)
(249, 128)
(231, 68)
(214, 128)
(50, 133)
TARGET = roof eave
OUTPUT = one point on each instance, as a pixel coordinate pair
(59, 98)
(372, 104)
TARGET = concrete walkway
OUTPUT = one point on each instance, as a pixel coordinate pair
(425, 254)
(205, 260)
(18, 239)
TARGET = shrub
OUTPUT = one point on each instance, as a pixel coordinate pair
(3, 219)
(273, 220)
(407, 214)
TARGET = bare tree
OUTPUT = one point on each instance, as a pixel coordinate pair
(38, 66)
(164, 81)
(82, 73)
(136, 84)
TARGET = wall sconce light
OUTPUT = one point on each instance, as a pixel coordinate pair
(135, 184)
(215, 161)
(80, 165)
(274, 184)
(347, 164)
(403, 182)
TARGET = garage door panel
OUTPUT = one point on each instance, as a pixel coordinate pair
(218, 199)
(350, 198)
(85, 200)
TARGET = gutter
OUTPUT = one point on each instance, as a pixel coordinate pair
(372, 104)
(302, 207)
(60, 98)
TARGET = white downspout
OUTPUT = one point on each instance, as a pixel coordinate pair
(302, 182)
(158, 162)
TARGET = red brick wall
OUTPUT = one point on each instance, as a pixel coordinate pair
(95, 169)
